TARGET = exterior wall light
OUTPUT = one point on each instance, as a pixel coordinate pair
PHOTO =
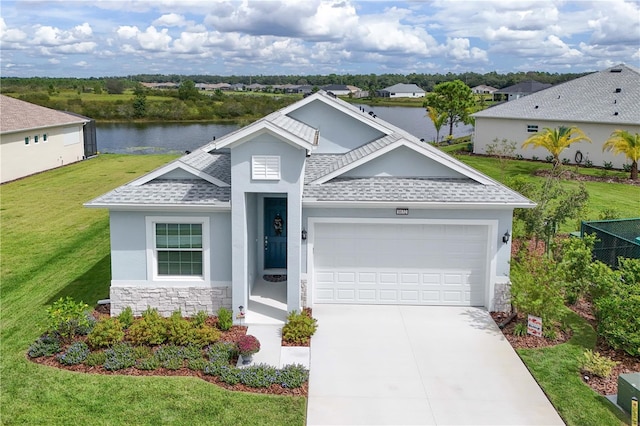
(304, 234)
(505, 237)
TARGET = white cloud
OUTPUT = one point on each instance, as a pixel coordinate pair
(11, 35)
(170, 20)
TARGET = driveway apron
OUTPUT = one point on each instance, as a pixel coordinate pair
(418, 365)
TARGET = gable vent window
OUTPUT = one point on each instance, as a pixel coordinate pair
(532, 128)
(26, 140)
(265, 167)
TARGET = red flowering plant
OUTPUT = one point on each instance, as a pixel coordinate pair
(248, 345)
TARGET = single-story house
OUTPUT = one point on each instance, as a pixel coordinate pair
(34, 138)
(401, 90)
(519, 90)
(597, 103)
(483, 90)
(349, 208)
(337, 89)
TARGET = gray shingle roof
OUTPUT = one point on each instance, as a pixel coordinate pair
(404, 88)
(197, 192)
(591, 98)
(427, 190)
(166, 192)
(529, 86)
(17, 115)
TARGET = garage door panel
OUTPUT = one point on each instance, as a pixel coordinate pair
(399, 264)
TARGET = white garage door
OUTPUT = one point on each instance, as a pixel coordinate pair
(412, 264)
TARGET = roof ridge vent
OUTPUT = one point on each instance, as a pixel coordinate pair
(616, 70)
(618, 90)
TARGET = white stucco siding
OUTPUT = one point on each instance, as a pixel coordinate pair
(129, 246)
(489, 129)
(63, 145)
(402, 162)
(407, 95)
(339, 132)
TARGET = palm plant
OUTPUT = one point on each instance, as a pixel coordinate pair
(623, 142)
(438, 119)
(556, 140)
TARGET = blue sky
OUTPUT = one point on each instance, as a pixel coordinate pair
(117, 38)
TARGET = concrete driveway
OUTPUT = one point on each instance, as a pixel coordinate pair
(409, 365)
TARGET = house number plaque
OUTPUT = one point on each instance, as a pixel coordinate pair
(402, 212)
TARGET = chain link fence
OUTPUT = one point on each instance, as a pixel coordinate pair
(614, 238)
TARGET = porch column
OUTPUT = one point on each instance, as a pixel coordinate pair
(294, 250)
(239, 287)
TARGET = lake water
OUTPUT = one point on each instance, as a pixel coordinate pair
(161, 138)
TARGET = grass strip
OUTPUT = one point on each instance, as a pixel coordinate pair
(557, 371)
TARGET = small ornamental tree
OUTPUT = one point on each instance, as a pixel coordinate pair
(623, 142)
(455, 100)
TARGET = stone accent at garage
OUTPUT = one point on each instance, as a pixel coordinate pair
(303, 293)
(502, 297)
(168, 299)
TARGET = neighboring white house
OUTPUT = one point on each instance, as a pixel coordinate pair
(597, 103)
(35, 138)
(401, 90)
(349, 208)
(483, 90)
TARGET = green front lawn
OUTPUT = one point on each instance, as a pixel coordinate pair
(53, 247)
(557, 371)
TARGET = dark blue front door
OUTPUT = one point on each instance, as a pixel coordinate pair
(275, 233)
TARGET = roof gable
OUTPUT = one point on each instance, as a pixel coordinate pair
(592, 98)
(404, 88)
(19, 115)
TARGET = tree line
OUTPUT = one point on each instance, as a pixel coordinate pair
(363, 81)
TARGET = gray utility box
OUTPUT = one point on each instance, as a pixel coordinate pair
(628, 387)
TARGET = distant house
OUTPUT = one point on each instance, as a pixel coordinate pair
(337, 89)
(597, 103)
(519, 90)
(483, 90)
(401, 90)
(34, 138)
(255, 87)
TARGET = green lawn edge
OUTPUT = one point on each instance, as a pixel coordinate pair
(52, 246)
(557, 371)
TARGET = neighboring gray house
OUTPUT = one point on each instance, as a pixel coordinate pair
(337, 89)
(519, 90)
(401, 90)
(347, 207)
(597, 103)
(483, 90)
(34, 138)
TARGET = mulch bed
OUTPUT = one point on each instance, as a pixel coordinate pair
(604, 386)
(231, 335)
(571, 175)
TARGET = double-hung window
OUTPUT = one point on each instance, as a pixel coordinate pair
(178, 247)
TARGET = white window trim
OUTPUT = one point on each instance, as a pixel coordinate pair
(260, 169)
(152, 251)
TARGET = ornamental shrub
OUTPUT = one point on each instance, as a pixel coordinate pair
(191, 352)
(299, 328)
(179, 330)
(148, 363)
(106, 332)
(46, 345)
(536, 289)
(520, 330)
(213, 368)
(126, 317)
(205, 335)
(119, 356)
(619, 321)
(200, 318)
(596, 364)
(258, 376)
(140, 352)
(229, 375)
(67, 316)
(222, 352)
(197, 364)
(95, 359)
(225, 319)
(167, 352)
(151, 329)
(574, 266)
(293, 376)
(75, 354)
